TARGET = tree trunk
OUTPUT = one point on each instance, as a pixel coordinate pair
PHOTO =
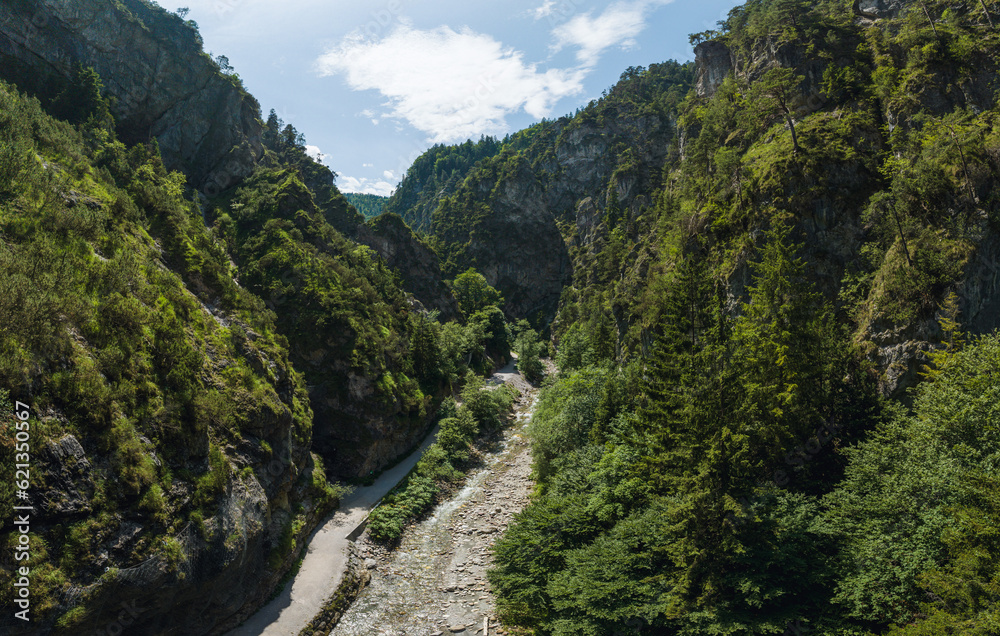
(791, 126)
(928, 14)
(982, 3)
(899, 226)
(965, 167)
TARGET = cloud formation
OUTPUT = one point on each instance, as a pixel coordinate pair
(364, 185)
(315, 152)
(545, 10)
(454, 85)
(449, 84)
(617, 25)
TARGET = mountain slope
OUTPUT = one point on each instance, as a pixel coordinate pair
(718, 453)
(502, 207)
(161, 82)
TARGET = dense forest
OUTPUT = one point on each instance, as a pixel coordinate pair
(369, 205)
(733, 443)
(198, 361)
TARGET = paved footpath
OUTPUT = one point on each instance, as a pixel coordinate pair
(325, 560)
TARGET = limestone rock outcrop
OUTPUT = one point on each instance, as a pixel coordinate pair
(152, 65)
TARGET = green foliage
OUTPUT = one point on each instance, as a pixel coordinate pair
(107, 272)
(489, 405)
(484, 409)
(456, 433)
(906, 484)
(565, 414)
(529, 351)
(473, 293)
(966, 589)
(575, 351)
(496, 347)
(386, 522)
(340, 299)
(441, 167)
(697, 515)
(213, 482)
(82, 101)
(369, 205)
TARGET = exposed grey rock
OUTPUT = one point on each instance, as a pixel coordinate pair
(415, 261)
(712, 63)
(67, 478)
(151, 63)
(880, 8)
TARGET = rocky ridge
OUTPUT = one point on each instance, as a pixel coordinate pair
(151, 63)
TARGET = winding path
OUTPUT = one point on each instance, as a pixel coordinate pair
(325, 559)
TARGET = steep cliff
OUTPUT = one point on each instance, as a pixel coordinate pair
(152, 64)
(416, 262)
(857, 71)
(509, 213)
(170, 434)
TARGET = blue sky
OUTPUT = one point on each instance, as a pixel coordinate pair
(372, 85)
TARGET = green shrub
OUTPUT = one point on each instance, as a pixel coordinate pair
(490, 406)
(566, 412)
(410, 500)
(436, 464)
(212, 483)
(135, 467)
(456, 433)
(529, 350)
(154, 502)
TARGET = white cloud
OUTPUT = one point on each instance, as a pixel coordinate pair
(450, 84)
(389, 174)
(618, 25)
(545, 10)
(314, 152)
(364, 185)
(368, 165)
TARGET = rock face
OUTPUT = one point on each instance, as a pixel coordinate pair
(69, 484)
(415, 261)
(880, 8)
(712, 63)
(218, 573)
(528, 259)
(516, 244)
(832, 223)
(151, 63)
(511, 212)
(507, 220)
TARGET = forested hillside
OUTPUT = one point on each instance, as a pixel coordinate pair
(369, 205)
(196, 361)
(734, 443)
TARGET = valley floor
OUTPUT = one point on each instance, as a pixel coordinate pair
(435, 581)
(325, 561)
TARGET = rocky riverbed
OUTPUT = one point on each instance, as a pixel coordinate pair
(435, 581)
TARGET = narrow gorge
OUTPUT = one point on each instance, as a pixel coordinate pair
(714, 354)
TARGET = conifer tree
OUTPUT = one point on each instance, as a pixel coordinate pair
(688, 396)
